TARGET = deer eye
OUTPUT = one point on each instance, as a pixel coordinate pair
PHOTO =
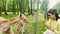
(20, 15)
(24, 19)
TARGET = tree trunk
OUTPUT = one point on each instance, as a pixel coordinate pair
(13, 7)
(0, 10)
(31, 7)
(4, 6)
(28, 8)
(0, 7)
(21, 6)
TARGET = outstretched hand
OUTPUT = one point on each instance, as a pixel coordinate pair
(43, 20)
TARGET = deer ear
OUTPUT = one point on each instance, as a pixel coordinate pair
(20, 15)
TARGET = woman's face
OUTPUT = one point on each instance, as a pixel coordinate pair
(51, 16)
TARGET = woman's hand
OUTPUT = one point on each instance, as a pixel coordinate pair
(50, 28)
(43, 20)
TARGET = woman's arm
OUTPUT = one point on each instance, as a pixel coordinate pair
(50, 28)
(47, 24)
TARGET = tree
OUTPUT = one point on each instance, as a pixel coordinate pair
(31, 6)
(20, 6)
(14, 7)
(28, 8)
(23, 6)
(4, 6)
(44, 7)
(0, 6)
(57, 6)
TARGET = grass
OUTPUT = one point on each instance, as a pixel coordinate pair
(29, 28)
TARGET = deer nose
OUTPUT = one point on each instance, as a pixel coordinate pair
(28, 22)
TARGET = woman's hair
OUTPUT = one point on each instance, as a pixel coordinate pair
(54, 11)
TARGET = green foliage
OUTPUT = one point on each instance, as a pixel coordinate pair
(23, 5)
(10, 6)
(44, 7)
(57, 6)
(1, 3)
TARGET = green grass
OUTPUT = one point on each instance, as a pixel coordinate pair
(29, 28)
(8, 16)
(40, 26)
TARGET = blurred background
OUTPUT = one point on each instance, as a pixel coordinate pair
(31, 9)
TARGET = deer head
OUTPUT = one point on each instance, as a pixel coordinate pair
(23, 18)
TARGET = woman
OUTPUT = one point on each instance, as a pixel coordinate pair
(52, 24)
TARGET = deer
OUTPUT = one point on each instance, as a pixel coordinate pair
(5, 25)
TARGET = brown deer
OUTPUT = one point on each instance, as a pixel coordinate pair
(5, 25)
